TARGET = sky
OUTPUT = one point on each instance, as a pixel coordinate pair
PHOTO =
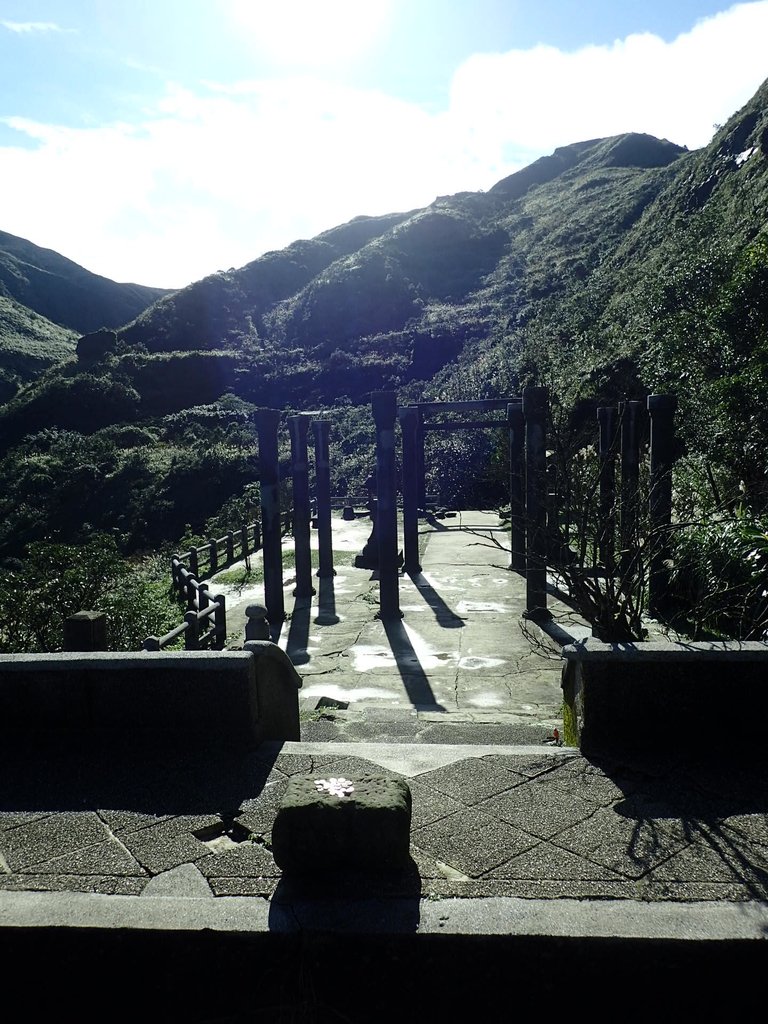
(159, 141)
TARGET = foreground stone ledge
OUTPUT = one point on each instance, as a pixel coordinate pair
(318, 831)
(663, 695)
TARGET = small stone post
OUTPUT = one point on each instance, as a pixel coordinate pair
(384, 405)
(321, 430)
(257, 624)
(409, 425)
(606, 418)
(298, 426)
(535, 411)
(269, 485)
(516, 424)
(85, 631)
(661, 409)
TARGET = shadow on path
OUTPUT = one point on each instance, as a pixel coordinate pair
(411, 672)
(116, 773)
(298, 633)
(326, 615)
(444, 614)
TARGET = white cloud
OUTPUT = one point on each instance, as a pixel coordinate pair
(23, 27)
(211, 181)
(531, 101)
(214, 177)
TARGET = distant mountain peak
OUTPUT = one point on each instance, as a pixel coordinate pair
(630, 150)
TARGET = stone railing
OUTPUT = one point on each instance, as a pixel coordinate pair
(205, 621)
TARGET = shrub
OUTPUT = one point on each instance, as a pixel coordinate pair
(57, 580)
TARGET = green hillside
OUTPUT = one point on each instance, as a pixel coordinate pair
(46, 300)
(63, 291)
(29, 344)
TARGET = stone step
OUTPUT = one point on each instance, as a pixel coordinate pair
(376, 724)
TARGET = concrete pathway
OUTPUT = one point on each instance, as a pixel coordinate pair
(462, 652)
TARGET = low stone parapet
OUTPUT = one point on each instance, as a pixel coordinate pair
(665, 695)
(232, 697)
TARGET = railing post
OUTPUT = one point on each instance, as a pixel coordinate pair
(269, 484)
(257, 536)
(192, 632)
(202, 597)
(535, 412)
(321, 430)
(409, 425)
(661, 409)
(230, 547)
(175, 568)
(298, 427)
(213, 556)
(194, 567)
(384, 406)
(220, 620)
(152, 643)
(606, 417)
(516, 424)
(244, 541)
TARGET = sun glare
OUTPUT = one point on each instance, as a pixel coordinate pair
(312, 33)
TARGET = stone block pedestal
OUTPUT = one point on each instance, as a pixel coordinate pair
(327, 824)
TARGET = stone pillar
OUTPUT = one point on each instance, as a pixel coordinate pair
(661, 409)
(606, 418)
(321, 430)
(384, 406)
(409, 426)
(535, 412)
(631, 424)
(85, 631)
(302, 513)
(269, 485)
(516, 424)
